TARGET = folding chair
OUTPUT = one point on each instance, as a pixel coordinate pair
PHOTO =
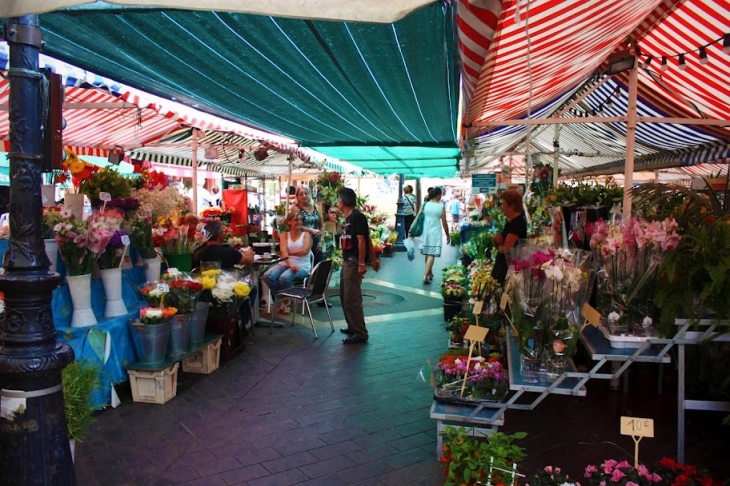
(312, 293)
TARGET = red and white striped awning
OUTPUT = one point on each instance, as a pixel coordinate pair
(542, 50)
(102, 115)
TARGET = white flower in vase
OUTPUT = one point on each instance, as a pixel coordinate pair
(614, 317)
(647, 322)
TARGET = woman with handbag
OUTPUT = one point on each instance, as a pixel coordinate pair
(434, 220)
(409, 208)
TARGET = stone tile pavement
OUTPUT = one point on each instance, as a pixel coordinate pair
(290, 409)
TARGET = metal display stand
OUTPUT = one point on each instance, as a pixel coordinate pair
(572, 382)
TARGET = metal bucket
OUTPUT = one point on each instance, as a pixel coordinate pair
(150, 341)
(197, 323)
(179, 335)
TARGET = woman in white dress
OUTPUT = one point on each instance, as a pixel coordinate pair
(433, 222)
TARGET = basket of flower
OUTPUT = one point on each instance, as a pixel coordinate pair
(486, 379)
(151, 333)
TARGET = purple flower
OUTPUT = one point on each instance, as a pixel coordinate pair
(116, 241)
(123, 203)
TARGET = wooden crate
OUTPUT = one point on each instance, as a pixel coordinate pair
(154, 386)
(205, 361)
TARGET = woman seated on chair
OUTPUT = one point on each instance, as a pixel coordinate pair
(297, 245)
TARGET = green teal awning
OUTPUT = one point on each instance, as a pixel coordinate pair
(416, 161)
(4, 176)
(331, 83)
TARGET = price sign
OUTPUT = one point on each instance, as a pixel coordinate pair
(105, 196)
(478, 305)
(476, 333)
(162, 287)
(590, 314)
(637, 427)
(505, 300)
(125, 240)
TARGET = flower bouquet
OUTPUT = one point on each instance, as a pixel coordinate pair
(675, 474)
(107, 180)
(184, 292)
(159, 202)
(152, 294)
(156, 315)
(482, 286)
(453, 283)
(224, 291)
(486, 379)
(126, 205)
(112, 255)
(329, 184)
(80, 169)
(82, 242)
(53, 215)
(140, 234)
(548, 288)
(628, 257)
(551, 476)
(457, 327)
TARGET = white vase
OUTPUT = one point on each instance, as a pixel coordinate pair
(79, 287)
(112, 280)
(48, 195)
(52, 252)
(152, 268)
(75, 202)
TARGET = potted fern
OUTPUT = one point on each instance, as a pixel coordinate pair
(80, 380)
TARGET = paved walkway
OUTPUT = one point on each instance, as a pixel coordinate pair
(290, 409)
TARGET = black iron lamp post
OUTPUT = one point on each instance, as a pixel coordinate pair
(400, 217)
(34, 446)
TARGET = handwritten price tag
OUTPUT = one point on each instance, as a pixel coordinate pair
(478, 306)
(637, 427)
(162, 287)
(476, 333)
(125, 240)
(590, 314)
(505, 300)
(105, 196)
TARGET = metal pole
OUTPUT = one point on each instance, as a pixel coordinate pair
(34, 446)
(400, 217)
(680, 402)
(195, 170)
(556, 156)
(630, 139)
(288, 197)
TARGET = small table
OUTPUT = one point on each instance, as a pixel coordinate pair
(258, 262)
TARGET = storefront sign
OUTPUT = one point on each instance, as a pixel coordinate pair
(484, 183)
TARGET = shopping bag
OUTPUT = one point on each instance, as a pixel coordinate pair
(417, 226)
(410, 248)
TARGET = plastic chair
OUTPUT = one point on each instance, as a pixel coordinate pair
(311, 294)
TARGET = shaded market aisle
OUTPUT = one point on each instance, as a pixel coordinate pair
(294, 410)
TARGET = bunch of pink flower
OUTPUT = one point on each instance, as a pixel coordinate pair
(81, 242)
(636, 235)
(622, 473)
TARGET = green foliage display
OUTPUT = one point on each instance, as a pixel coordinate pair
(105, 180)
(466, 459)
(584, 194)
(80, 380)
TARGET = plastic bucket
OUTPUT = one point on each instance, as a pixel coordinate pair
(150, 341)
(183, 262)
(451, 309)
(179, 335)
(197, 323)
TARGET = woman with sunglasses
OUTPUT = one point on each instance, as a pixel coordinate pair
(297, 245)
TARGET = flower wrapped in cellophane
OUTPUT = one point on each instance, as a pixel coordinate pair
(454, 283)
(184, 291)
(225, 291)
(156, 315)
(486, 378)
(548, 288)
(483, 287)
(628, 257)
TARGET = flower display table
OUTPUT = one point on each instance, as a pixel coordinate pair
(471, 417)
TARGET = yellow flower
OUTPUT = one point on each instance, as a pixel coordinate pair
(241, 289)
(207, 282)
(76, 167)
(210, 273)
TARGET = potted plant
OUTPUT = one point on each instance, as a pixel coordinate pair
(80, 380)
(466, 460)
(457, 327)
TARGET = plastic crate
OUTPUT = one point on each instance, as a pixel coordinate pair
(205, 361)
(154, 386)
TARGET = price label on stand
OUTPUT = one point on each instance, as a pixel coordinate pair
(476, 333)
(478, 305)
(163, 287)
(125, 240)
(637, 428)
(105, 196)
(590, 314)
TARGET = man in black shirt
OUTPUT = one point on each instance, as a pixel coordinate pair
(212, 250)
(355, 245)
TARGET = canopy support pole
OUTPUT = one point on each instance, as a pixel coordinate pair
(288, 196)
(195, 169)
(630, 139)
(556, 156)
(400, 217)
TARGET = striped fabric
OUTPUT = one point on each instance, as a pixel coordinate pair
(568, 41)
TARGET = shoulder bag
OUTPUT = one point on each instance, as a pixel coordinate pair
(417, 226)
